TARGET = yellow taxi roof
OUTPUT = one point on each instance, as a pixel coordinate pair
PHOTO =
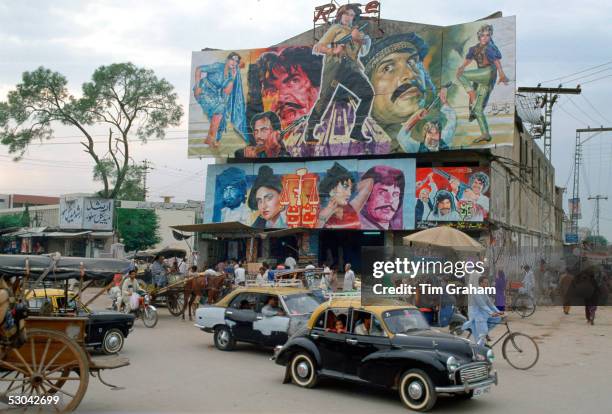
(49, 292)
(270, 290)
(355, 303)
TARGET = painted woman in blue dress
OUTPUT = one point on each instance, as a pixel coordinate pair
(218, 90)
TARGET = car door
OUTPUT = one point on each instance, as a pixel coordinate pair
(270, 330)
(240, 316)
(359, 346)
(331, 344)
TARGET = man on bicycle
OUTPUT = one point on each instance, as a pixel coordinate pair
(528, 282)
(482, 313)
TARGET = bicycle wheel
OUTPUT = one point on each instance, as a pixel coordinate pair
(524, 305)
(520, 350)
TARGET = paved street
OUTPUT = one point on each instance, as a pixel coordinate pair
(175, 368)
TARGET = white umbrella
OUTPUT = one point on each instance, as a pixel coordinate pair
(444, 236)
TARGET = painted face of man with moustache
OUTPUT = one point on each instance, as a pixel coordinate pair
(402, 85)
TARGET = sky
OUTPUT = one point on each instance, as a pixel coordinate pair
(554, 39)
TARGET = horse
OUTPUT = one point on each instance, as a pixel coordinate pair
(195, 288)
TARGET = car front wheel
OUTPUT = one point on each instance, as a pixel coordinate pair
(303, 371)
(417, 391)
(113, 341)
(224, 340)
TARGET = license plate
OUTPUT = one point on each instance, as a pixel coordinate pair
(480, 391)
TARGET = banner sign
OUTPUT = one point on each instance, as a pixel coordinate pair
(343, 194)
(355, 93)
(452, 194)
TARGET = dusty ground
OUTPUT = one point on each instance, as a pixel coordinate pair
(175, 369)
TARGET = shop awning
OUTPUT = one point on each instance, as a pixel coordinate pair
(102, 234)
(287, 232)
(64, 235)
(231, 229)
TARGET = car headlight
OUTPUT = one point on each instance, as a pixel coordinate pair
(490, 355)
(451, 364)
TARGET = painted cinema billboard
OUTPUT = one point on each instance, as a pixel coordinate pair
(342, 194)
(451, 194)
(355, 93)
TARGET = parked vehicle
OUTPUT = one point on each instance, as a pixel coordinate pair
(240, 316)
(106, 330)
(390, 346)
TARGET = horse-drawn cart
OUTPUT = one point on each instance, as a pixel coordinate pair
(44, 365)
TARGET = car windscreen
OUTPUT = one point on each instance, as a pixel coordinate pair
(301, 304)
(404, 320)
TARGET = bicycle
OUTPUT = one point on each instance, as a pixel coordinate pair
(522, 303)
(518, 349)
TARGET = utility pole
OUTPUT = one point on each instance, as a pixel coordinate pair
(547, 98)
(576, 189)
(145, 169)
(597, 198)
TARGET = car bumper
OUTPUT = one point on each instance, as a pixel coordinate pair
(204, 328)
(467, 387)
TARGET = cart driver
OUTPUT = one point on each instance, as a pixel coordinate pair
(130, 287)
(272, 308)
(159, 270)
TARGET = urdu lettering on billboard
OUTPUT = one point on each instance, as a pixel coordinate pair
(353, 93)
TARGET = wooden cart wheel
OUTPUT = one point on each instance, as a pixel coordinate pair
(176, 303)
(48, 365)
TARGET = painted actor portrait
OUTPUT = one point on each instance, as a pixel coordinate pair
(338, 186)
(265, 199)
(480, 81)
(268, 143)
(218, 91)
(383, 208)
(286, 82)
(342, 45)
(407, 106)
(230, 201)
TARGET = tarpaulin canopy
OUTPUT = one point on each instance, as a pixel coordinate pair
(231, 229)
(444, 236)
(65, 267)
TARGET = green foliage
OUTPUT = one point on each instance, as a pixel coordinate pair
(137, 228)
(125, 98)
(14, 220)
(597, 241)
(132, 188)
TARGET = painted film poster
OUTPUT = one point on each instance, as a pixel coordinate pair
(451, 194)
(343, 194)
(356, 93)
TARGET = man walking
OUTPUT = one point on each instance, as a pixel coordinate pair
(349, 279)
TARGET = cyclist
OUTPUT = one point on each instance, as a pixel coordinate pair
(482, 313)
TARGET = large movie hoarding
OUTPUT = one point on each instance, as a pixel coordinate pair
(342, 194)
(449, 195)
(430, 90)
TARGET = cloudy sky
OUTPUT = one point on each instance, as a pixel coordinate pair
(554, 39)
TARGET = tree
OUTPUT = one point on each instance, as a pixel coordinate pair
(14, 220)
(132, 188)
(597, 241)
(138, 228)
(121, 96)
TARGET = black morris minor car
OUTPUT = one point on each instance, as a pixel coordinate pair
(106, 330)
(389, 346)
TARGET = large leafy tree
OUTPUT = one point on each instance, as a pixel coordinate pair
(126, 99)
(14, 220)
(138, 228)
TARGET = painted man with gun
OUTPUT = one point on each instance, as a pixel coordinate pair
(342, 45)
